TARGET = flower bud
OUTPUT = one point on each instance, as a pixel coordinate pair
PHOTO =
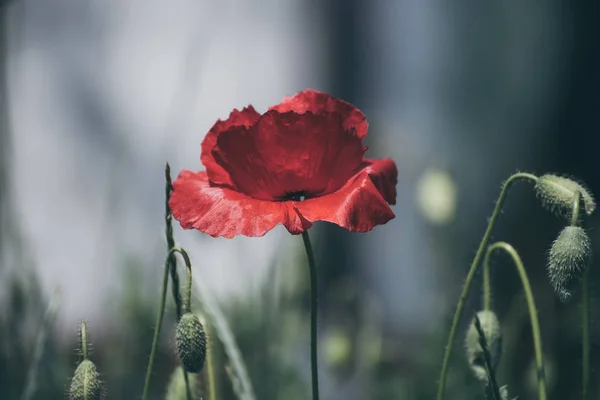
(86, 384)
(493, 338)
(176, 389)
(557, 194)
(569, 257)
(190, 339)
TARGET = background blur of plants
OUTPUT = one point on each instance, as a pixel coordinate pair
(97, 95)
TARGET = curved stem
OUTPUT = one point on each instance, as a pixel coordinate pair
(161, 313)
(586, 334)
(473, 269)
(313, 316)
(535, 324)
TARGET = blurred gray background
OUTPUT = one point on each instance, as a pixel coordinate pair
(101, 93)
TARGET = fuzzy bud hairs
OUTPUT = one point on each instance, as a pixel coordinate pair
(493, 337)
(86, 384)
(190, 339)
(569, 257)
(556, 194)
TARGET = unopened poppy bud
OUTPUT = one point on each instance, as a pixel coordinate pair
(176, 389)
(493, 338)
(86, 384)
(190, 339)
(569, 257)
(557, 194)
(504, 395)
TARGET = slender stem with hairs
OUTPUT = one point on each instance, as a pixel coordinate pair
(313, 316)
(586, 334)
(535, 324)
(585, 309)
(161, 312)
(83, 340)
(473, 269)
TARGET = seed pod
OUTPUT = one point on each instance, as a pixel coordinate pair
(86, 384)
(190, 339)
(493, 337)
(557, 193)
(569, 257)
(176, 388)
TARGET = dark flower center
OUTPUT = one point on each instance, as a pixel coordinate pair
(294, 196)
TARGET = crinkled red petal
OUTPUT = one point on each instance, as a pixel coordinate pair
(219, 211)
(357, 207)
(384, 175)
(246, 118)
(321, 103)
(289, 153)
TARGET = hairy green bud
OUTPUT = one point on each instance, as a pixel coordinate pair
(176, 388)
(190, 339)
(504, 395)
(557, 194)
(569, 257)
(86, 384)
(493, 338)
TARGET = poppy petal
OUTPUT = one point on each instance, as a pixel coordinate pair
(357, 207)
(384, 175)
(318, 102)
(289, 153)
(246, 118)
(219, 211)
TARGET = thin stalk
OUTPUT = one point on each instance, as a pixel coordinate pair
(161, 313)
(313, 316)
(487, 288)
(210, 371)
(535, 324)
(473, 269)
(586, 334)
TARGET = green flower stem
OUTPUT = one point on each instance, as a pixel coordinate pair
(179, 309)
(586, 334)
(171, 242)
(210, 371)
(487, 287)
(313, 316)
(83, 339)
(585, 309)
(161, 312)
(535, 324)
(473, 269)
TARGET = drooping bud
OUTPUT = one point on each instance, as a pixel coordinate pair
(176, 389)
(493, 338)
(86, 384)
(569, 257)
(190, 339)
(557, 195)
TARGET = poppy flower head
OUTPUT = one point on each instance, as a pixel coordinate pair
(299, 162)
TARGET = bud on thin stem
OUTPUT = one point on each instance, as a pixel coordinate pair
(86, 383)
(490, 328)
(190, 339)
(556, 194)
(569, 257)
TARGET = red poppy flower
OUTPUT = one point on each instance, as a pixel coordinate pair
(301, 161)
